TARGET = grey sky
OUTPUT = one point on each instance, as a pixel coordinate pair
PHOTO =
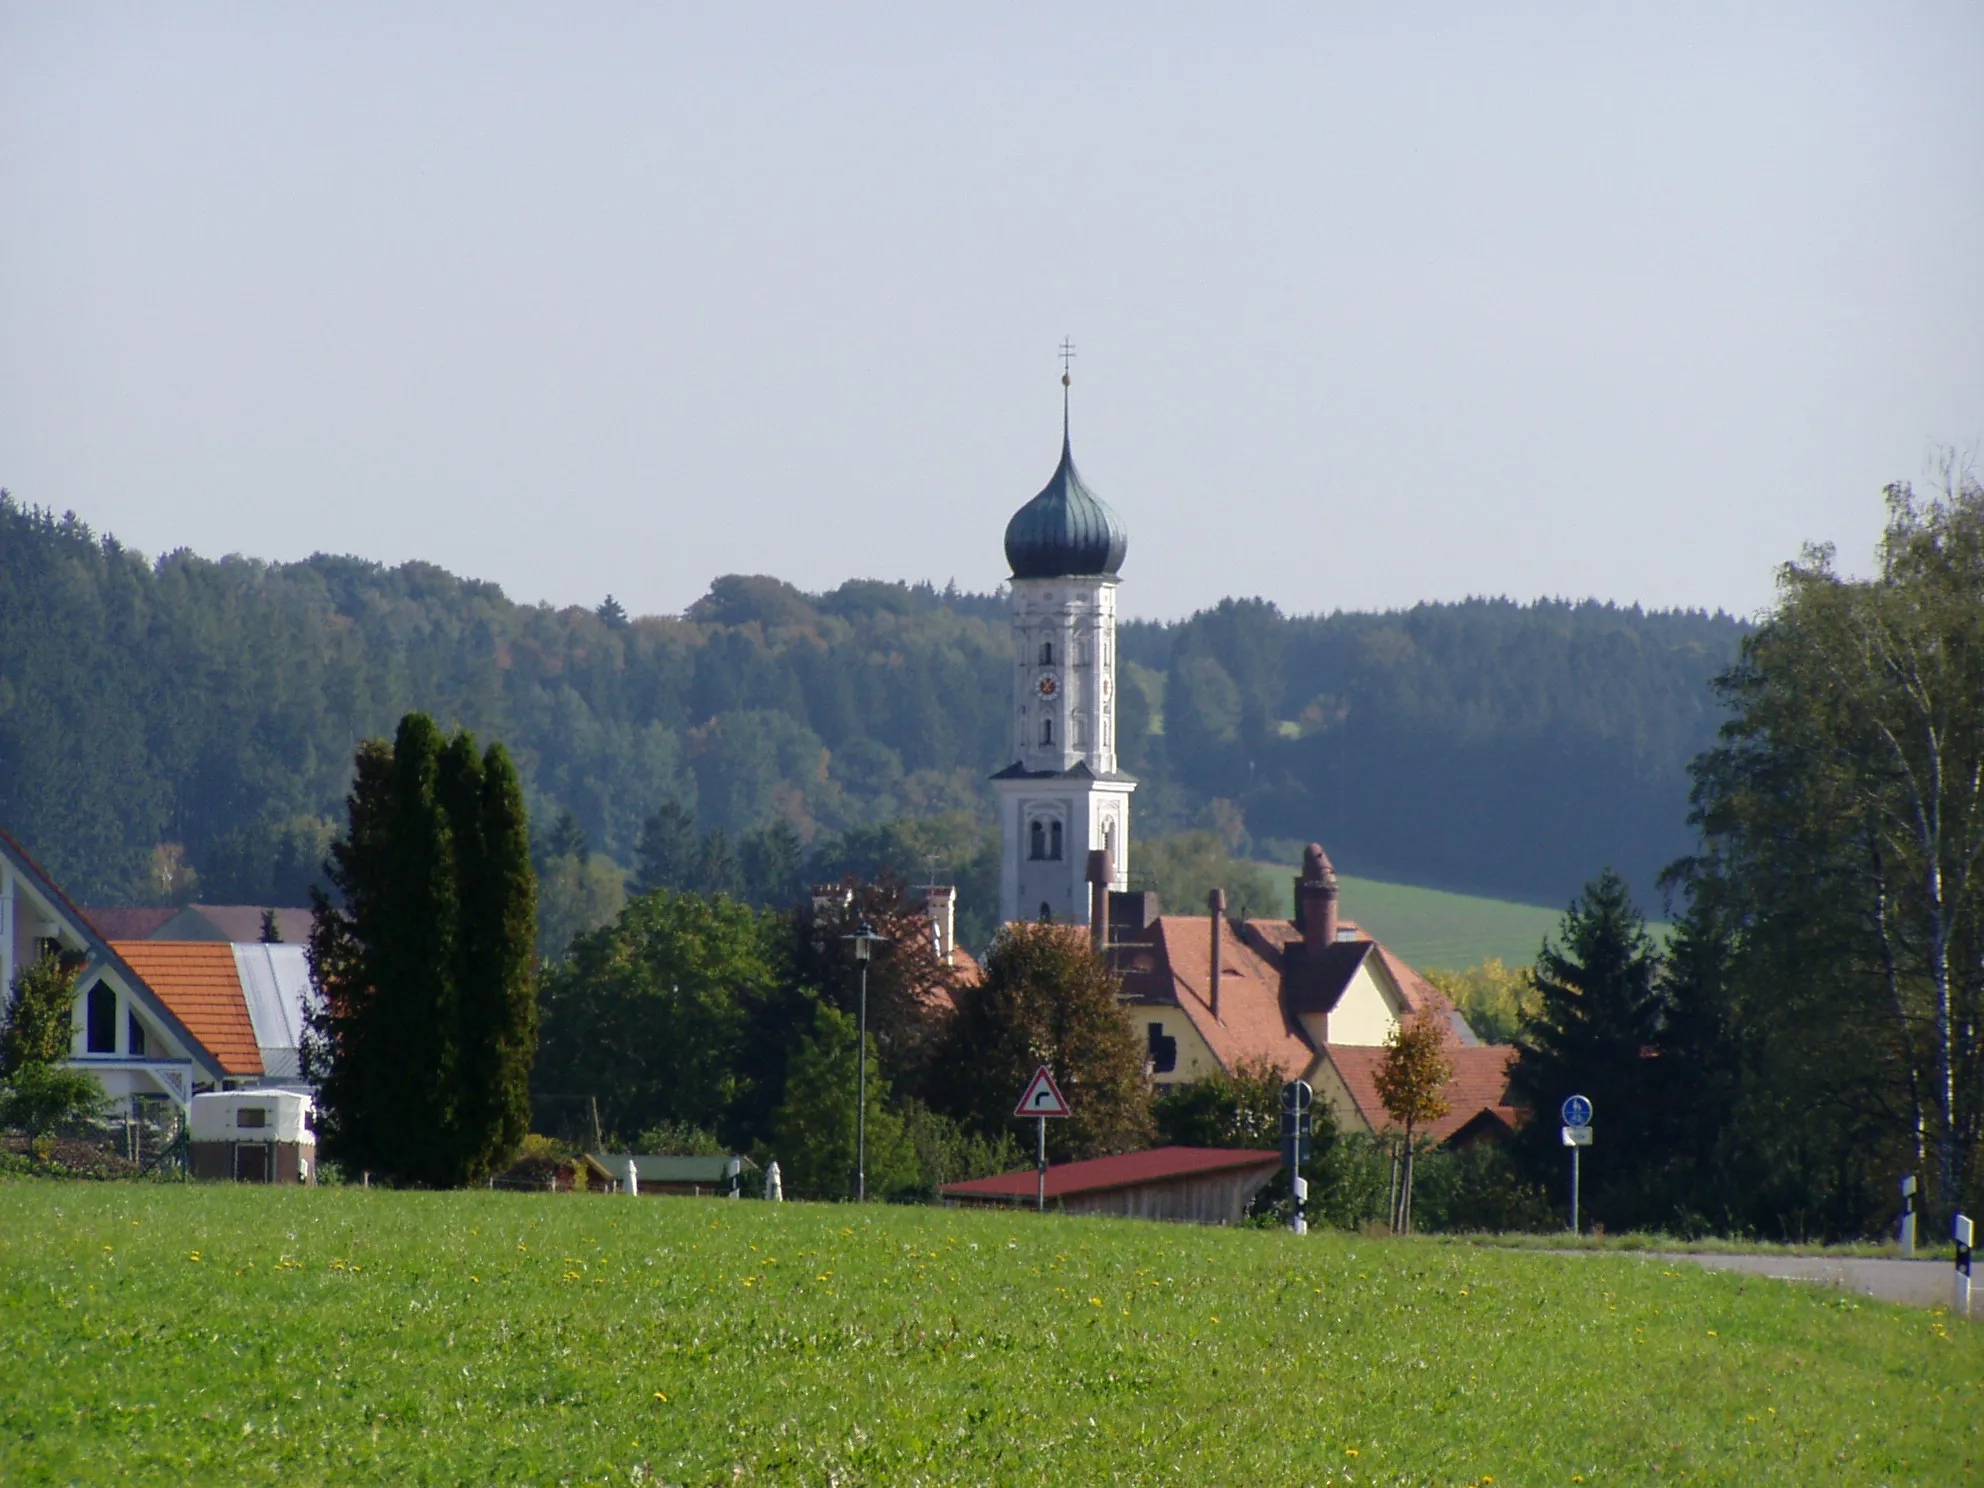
(1374, 304)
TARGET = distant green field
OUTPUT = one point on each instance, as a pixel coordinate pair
(1433, 928)
(221, 1335)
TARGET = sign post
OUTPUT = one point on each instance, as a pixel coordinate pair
(1577, 1137)
(1042, 1100)
(1296, 1098)
(1965, 1238)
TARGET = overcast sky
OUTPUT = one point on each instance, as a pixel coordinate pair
(1373, 304)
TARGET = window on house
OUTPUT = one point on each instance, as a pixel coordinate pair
(1163, 1051)
(134, 1032)
(1037, 841)
(1047, 653)
(252, 1116)
(101, 1020)
(1046, 731)
(1054, 842)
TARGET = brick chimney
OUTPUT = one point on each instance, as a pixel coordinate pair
(1315, 901)
(1101, 873)
(1216, 905)
(940, 902)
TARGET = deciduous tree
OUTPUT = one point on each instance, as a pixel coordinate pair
(1046, 998)
(40, 1014)
(1412, 1082)
(815, 1132)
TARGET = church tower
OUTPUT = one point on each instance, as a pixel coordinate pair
(1062, 796)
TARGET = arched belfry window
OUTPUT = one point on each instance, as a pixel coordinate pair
(1054, 842)
(1047, 653)
(1046, 731)
(1037, 841)
(102, 1020)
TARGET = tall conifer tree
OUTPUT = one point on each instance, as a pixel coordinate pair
(422, 1050)
(497, 935)
(1597, 1023)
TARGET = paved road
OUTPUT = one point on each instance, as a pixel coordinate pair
(1916, 1283)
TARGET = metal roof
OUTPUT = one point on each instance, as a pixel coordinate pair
(659, 1169)
(1066, 530)
(1158, 1165)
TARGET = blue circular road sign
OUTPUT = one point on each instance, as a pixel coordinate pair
(1577, 1111)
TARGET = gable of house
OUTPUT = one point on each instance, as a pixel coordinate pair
(118, 1018)
(1346, 1080)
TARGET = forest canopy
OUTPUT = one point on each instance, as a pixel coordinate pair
(190, 723)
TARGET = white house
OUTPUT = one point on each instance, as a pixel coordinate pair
(158, 1020)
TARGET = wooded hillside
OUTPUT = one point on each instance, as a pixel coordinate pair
(216, 704)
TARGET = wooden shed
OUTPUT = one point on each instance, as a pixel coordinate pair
(1185, 1185)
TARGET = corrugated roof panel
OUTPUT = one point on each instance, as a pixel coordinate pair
(275, 982)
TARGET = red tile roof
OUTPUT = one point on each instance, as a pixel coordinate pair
(1173, 962)
(1131, 1169)
(1480, 1083)
(197, 980)
(129, 924)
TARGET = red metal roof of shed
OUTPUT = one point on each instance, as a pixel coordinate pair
(1127, 1171)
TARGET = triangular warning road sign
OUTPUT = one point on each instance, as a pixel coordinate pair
(1043, 1097)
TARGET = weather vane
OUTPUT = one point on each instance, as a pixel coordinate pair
(1067, 360)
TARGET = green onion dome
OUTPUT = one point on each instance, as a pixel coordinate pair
(1066, 530)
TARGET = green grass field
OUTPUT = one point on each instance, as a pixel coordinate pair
(1433, 928)
(220, 1335)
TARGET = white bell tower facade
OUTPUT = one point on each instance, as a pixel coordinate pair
(1062, 797)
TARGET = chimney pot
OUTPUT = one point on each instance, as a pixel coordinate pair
(1316, 901)
(1216, 903)
(1101, 873)
(941, 903)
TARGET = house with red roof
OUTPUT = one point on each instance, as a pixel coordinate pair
(158, 1020)
(1315, 997)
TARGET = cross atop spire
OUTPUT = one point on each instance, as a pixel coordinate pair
(1067, 381)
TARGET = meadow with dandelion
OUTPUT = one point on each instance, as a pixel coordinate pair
(228, 1335)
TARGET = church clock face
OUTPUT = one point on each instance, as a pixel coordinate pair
(1047, 687)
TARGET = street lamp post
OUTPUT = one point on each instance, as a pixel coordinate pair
(865, 940)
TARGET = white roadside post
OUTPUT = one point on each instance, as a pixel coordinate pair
(1908, 1215)
(1577, 1137)
(1965, 1238)
(1043, 1099)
